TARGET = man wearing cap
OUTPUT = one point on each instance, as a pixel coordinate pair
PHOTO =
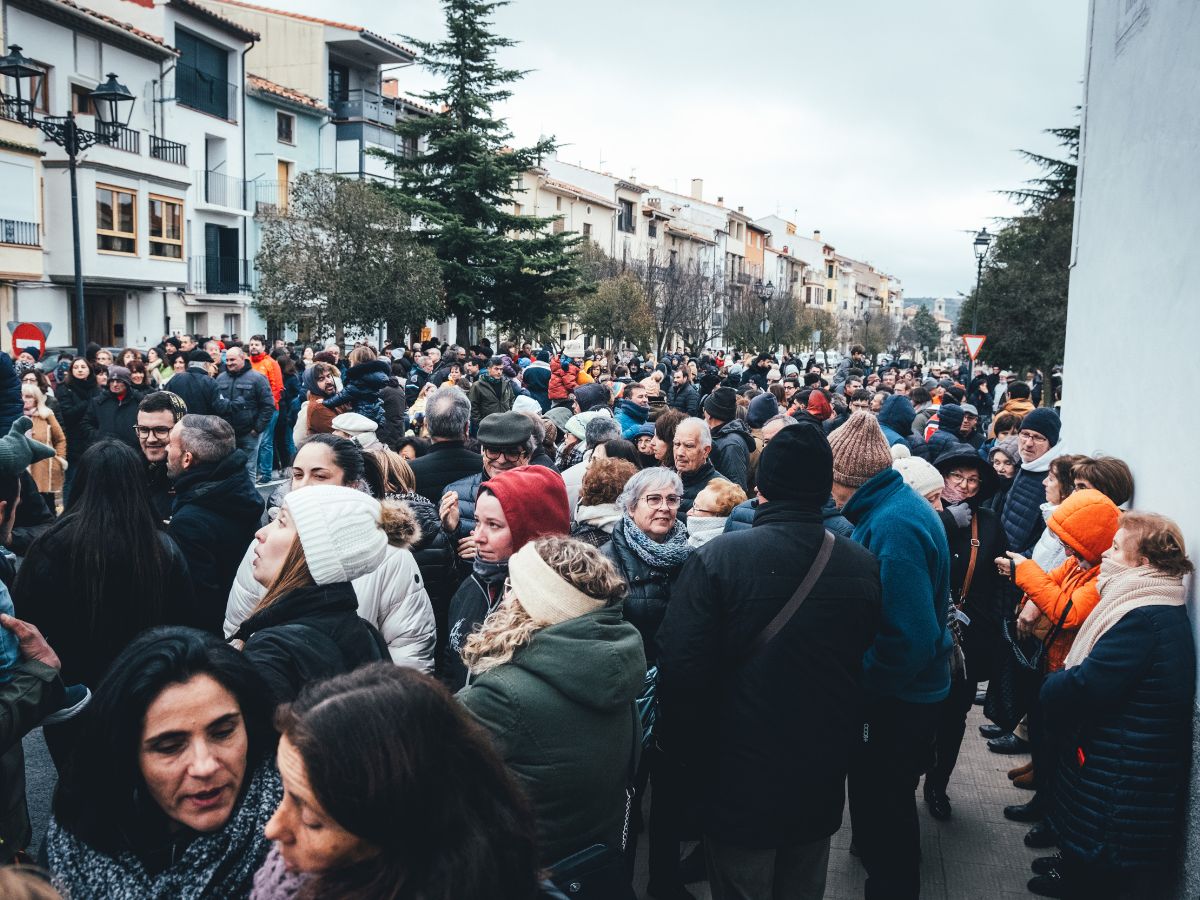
(969, 432)
(505, 442)
(767, 825)
(732, 442)
(197, 388)
(906, 671)
(113, 413)
(1038, 445)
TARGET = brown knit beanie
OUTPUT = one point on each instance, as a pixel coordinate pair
(860, 451)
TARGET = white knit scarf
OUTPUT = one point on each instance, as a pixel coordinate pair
(1122, 590)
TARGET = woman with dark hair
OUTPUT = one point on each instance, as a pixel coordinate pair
(103, 572)
(139, 376)
(664, 436)
(171, 785)
(357, 749)
(391, 595)
(617, 448)
(307, 625)
(74, 396)
(412, 447)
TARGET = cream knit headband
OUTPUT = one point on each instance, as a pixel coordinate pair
(547, 596)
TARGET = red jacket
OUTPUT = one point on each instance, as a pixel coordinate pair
(562, 381)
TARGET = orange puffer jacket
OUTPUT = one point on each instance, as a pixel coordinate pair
(1086, 523)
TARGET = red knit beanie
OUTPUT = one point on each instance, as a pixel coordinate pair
(534, 500)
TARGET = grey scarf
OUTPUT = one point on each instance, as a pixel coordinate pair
(670, 554)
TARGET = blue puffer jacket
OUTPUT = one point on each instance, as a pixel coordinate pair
(742, 516)
(361, 390)
(1123, 723)
(1022, 517)
(467, 490)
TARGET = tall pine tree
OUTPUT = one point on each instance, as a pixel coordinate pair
(495, 263)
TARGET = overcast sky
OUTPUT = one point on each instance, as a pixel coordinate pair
(888, 125)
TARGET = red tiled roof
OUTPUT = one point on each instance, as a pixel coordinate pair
(567, 188)
(331, 23)
(117, 23)
(258, 83)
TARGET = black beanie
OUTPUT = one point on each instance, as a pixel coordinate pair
(950, 418)
(1045, 422)
(721, 404)
(797, 466)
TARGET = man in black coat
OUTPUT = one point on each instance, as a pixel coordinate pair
(765, 734)
(197, 388)
(251, 404)
(683, 395)
(216, 511)
(732, 442)
(113, 413)
(448, 415)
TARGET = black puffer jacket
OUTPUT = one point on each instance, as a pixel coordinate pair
(1122, 720)
(73, 401)
(213, 520)
(732, 445)
(649, 589)
(434, 554)
(469, 606)
(308, 634)
(108, 417)
(198, 390)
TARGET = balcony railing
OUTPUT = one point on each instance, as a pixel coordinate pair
(272, 197)
(24, 234)
(221, 190)
(201, 91)
(364, 104)
(120, 137)
(168, 151)
(221, 275)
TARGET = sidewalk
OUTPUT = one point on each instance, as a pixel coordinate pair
(977, 854)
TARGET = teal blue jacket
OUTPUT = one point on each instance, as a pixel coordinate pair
(910, 659)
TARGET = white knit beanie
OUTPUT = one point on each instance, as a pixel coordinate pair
(919, 475)
(339, 530)
(547, 596)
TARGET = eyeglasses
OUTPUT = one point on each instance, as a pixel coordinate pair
(509, 454)
(959, 478)
(670, 501)
(160, 432)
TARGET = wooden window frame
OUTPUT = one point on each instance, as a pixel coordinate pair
(153, 239)
(279, 116)
(104, 232)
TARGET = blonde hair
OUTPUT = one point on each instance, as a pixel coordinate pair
(509, 627)
(1158, 539)
(32, 390)
(397, 474)
(725, 494)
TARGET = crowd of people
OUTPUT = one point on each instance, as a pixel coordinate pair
(444, 622)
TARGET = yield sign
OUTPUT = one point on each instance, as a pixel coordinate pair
(974, 344)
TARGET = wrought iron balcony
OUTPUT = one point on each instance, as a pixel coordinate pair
(221, 275)
(24, 234)
(168, 151)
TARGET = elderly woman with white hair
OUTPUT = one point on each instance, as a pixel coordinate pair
(649, 546)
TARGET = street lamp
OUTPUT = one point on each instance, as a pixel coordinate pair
(765, 293)
(108, 100)
(983, 241)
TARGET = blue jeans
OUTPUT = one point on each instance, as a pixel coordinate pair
(266, 448)
(249, 443)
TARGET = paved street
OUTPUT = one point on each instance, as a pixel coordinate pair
(977, 854)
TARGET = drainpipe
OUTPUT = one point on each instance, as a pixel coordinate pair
(245, 201)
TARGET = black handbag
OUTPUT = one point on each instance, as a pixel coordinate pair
(599, 872)
(1018, 677)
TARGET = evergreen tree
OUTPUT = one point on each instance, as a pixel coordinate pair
(1023, 294)
(495, 263)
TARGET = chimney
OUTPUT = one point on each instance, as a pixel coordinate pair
(390, 87)
(785, 250)
(697, 188)
(817, 235)
(720, 201)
